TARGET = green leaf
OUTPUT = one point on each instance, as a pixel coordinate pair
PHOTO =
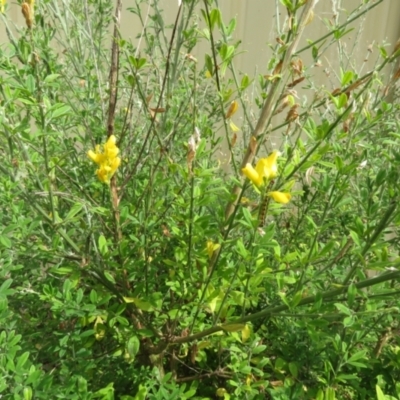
(347, 77)
(140, 304)
(51, 78)
(141, 63)
(346, 377)
(27, 101)
(22, 359)
(288, 4)
(27, 393)
(141, 393)
(215, 18)
(62, 270)
(247, 216)
(231, 27)
(93, 296)
(190, 393)
(132, 346)
(327, 248)
(245, 82)
(348, 321)
(293, 369)
(137, 63)
(30, 84)
(383, 52)
(357, 356)
(5, 241)
(131, 80)
(82, 385)
(209, 64)
(76, 208)
(241, 249)
(314, 52)
(296, 299)
(59, 110)
(4, 291)
(232, 327)
(230, 52)
(379, 394)
(320, 395)
(109, 277)
(67, 285)
(103, 245)
(351, 294)
(342, 308)
(330, 394)
(341, 101)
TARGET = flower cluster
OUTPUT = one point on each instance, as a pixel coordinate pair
(265, 170)
(105, 157)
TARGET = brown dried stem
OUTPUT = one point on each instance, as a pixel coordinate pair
(113, 83)
(267, 111)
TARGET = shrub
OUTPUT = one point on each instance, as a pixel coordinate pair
(167, 275)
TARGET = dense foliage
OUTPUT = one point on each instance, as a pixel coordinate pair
(170, 274)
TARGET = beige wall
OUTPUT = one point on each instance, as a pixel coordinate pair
(256, 26)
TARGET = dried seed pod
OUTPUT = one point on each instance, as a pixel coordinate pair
(280, 41)
(233, 139)
(27, 13)
(297, 66)
(285, 102)
(295, 82)
(278, 68)
(191, 58)
(253, 145)
(232, 109)
(292, 114)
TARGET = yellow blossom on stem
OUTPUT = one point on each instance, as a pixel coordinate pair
(211, 247)
(280, 197)
(252, 174)
(105, 157)
(265, 168)
(2, 4)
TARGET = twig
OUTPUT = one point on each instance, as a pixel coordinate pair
(199, 377)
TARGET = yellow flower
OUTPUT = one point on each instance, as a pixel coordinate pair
(211, 247)
(106, 158)
(252, 174)
(234, 127)
(280, 197)
(2, 4)
(266, 168)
